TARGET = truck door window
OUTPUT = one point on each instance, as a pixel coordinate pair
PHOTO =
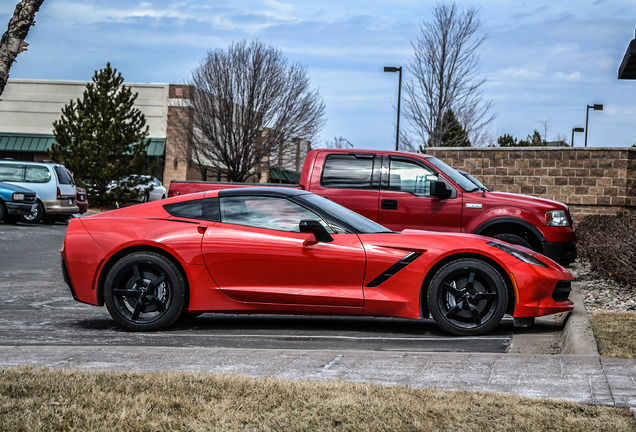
(346, 171)
(409, 177)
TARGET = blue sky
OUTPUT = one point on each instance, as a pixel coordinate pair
(543, 61)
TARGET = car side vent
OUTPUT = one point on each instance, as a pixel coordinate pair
(562, 291)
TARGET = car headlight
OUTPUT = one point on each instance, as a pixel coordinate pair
(518, 253)
(557, 218)
(18, 197)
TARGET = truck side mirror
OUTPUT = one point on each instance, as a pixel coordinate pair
(316, 228)
(440, 190)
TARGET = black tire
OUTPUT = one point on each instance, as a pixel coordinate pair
(3, 212)
(513, 239)
(36, 216)
(467, 297)
(11, 219)
(144, 291)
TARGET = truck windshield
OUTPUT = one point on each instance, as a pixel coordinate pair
(359, 223)
(454, 175)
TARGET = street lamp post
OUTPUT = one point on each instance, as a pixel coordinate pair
(397, 69)
(595, 107)
(576, 129)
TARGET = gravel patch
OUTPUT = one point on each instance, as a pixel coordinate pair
(603, 294)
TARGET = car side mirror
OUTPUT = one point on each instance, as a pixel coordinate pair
(316, 228)
(439, 189)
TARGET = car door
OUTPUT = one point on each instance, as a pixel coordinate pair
(257, 254)
(406, 201)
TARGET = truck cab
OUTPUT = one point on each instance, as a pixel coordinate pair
(417, 191)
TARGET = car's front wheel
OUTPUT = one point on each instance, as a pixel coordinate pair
(36, 215)
(467, 297)
(144, 291)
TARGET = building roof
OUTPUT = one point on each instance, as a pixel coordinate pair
(38, 143)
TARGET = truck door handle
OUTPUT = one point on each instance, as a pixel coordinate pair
(389, 204)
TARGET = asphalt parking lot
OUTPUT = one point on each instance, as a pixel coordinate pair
(38, 309)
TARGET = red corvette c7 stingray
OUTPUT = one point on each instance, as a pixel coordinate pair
(287, 251)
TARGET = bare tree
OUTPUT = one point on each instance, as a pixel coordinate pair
(338, 143)
(247, 103)
(12, 42)
(445, 70)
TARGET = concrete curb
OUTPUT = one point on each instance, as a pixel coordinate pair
(578, 338)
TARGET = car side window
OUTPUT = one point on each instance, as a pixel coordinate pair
(12, 173)
(203, 209)
(410, 177)
(37, 174)
(347, 171)
(265, 212)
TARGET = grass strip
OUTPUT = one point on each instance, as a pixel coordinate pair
(36, 399)
(614, 333)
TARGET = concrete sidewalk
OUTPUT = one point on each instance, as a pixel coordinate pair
(578, 374)
(583, 379)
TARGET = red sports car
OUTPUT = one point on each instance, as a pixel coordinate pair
(287, 251)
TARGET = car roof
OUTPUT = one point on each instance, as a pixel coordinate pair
(282, 192)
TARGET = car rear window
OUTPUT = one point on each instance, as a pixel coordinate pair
(347, 171)
(63, 175)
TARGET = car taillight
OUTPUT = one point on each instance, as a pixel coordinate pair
(173, 193)
(59, 194)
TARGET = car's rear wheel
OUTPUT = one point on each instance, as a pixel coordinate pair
(467, 297)
(36, 215)
(144, 291)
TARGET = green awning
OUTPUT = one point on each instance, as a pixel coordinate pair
(284, 175)
(40, 143)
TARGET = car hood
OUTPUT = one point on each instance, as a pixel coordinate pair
(15, 188)
(497, 199)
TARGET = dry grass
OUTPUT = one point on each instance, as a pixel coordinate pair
(55, 400)
(614, 333)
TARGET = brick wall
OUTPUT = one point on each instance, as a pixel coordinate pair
(588, 180)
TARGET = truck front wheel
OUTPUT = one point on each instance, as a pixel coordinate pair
(513, 239)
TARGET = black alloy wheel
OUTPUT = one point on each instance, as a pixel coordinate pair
(467, 297)
(144, 291)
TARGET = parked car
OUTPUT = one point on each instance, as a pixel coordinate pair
(15, 201)
(416, 191)
(81, 199)
(53, 184)
(284, 250)
(150, 188)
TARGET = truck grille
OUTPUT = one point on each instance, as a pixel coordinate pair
(29, 198)
(562, 291)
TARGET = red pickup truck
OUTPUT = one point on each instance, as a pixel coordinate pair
(417, 191)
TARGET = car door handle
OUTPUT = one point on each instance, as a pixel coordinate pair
(389, 204)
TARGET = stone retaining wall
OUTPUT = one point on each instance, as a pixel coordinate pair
(588, 180)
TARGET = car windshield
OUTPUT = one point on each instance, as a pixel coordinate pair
(359, 223)
(466, 184)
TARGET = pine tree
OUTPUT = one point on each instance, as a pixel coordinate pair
(102, 137)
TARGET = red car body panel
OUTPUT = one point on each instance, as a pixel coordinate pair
(236, 268)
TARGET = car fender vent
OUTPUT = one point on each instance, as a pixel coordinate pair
(562, 291)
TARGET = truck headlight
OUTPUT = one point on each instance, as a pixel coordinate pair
(18, 197)
(557, 218)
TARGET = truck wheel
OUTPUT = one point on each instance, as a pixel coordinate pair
(467, 297)
(36, 216)
(513, 239)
